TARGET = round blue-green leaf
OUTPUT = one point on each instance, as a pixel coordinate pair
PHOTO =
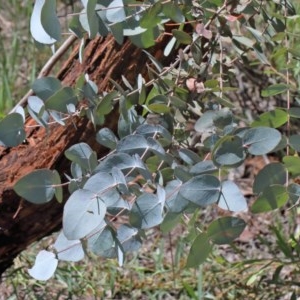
(83, 212)
(200, 250)
(38, 186)
(129, 238)
(189, 156)
(117, 32)
(133, 144)
(201, 190)
(50, 20)
(228, 152)
(60, 100)
(115, 11)
(104, 244)
(273, 173)
(92, 18)
(45, 87)
(274, 118)
(147, 211)
(294, 142)
(294, 112)
(271, 198)
(68, 250)
(203, 167)
(205, 122)
(37, 29)
(83, 155)
(232, 198)
(294, 192)
(261, 140)
(44, 266)
(107, 138)
(12, 131)
(225, 230)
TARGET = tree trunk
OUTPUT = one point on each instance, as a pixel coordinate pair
(22, 223)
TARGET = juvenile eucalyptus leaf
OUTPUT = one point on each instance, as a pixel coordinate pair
(120, 180)
(60, 100)
(20, 110)
(199, 252)
(203, 167)
(294, 141)
(205, 122)
(232, 198)
(58, 187)
(45, 87)
(181, 173)
(68, 250)
(38, 186)
(107, 138)
(294, 112)
(222, 118)
(105, 244)
(12, 131)
(147, 211)
(117, 32)
(271, 198)
(115, 11)
(225, 230)
(294, 192)
(189, 156)
(105, 106)
(44, 266)
(175, 203)
(273, 173)
(157, 149)
(92, 18)
(36, 104)
(133, 144)
(49, 20)
(261, 140)
(129, 238)
(229, 152)
(83, 212)
(105, 187)
(37, 29)
(148, 130)
(83, 155)
(201, 190)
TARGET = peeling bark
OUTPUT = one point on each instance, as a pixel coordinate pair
(22, 223)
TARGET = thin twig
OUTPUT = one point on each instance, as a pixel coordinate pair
(49, 66)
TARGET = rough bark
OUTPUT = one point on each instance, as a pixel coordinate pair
(21, 223)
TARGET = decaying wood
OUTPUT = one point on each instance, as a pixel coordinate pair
(21, 223)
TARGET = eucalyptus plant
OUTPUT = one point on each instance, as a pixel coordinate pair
(157, 171)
